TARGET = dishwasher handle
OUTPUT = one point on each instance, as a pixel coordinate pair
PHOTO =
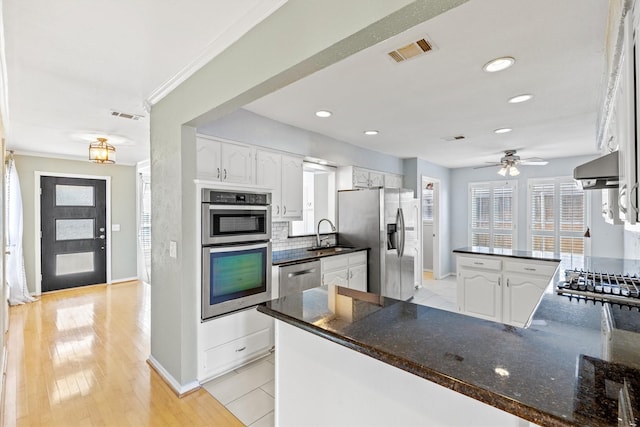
(301, 273)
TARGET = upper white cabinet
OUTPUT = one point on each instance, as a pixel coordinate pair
(283, 175)
(223, 161)
(351, 177)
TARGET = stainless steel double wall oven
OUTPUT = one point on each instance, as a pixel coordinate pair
(236, 250)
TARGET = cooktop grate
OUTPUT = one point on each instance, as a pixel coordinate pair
(622, 289)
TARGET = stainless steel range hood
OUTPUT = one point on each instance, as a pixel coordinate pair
(599, 173)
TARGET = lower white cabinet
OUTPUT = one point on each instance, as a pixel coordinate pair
(228, 342)
(502, 289)
(349, 270)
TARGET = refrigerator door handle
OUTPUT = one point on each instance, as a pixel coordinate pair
(402, 232)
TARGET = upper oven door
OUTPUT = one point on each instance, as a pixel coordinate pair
(232, 224)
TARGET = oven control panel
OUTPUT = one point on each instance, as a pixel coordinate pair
(235, 197)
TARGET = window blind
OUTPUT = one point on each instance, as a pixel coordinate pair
(492, 213)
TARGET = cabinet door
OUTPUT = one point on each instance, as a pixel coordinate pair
(360, 178)
(393, 181)
(291, 197)
(208, 159)
(480, 294)
(358, 277)
(269, 174)
(237, 164)
(336, 277)
(521, 295)
(376, 179)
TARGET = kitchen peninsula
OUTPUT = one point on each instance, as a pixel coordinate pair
(369, 367)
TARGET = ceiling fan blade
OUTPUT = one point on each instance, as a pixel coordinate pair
(492, 165)
(534, 161)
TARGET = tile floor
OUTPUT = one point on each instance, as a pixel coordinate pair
(248, 392)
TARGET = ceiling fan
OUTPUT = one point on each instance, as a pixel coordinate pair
(509, 162)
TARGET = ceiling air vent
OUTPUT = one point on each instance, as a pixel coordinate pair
(126, 115)
(411, 50)
(454, 138)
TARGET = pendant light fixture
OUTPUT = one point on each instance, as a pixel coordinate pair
(102, 152)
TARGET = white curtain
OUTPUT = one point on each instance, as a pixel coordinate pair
(16, 278)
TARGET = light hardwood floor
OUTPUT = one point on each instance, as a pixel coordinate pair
(78, 358)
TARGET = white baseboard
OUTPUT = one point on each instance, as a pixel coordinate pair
(179, 389)
(124, 279)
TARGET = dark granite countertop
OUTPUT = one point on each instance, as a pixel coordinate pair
(297, 256)
(550, 373)
(511, 253)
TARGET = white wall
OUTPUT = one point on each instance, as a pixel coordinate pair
(606, 240)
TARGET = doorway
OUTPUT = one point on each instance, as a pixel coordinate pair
(74, 240)
(430, 197)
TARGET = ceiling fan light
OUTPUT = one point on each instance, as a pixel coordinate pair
(513, 171)
(503, 171)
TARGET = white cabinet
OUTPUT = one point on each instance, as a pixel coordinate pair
(292, 203)
(283, 175)
(349, 270)
(502, 289)
(228, 342)
(223, 161)
(352, 177)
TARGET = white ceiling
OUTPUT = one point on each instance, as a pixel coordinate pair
(559, 51)
(69, 63)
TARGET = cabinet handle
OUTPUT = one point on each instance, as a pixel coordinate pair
(218, 173)
(530, 269)
(241, 349)
(225, 174)
(350, 274)
(633, 207)
(478, 263)
(507, 283)
(277, 209)
(284, 210)
(301, 273)
(498, 281)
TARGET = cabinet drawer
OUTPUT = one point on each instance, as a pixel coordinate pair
(358, 258)
(541, 269)
(484, 263)
(334, 262)
(229, 355)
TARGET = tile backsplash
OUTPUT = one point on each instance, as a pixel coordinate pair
(280, 240)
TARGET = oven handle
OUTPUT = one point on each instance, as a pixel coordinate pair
(239, 207)
(233, 248)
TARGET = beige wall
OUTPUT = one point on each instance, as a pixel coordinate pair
(123, 209)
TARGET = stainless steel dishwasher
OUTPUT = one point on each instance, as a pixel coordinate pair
(299, 277)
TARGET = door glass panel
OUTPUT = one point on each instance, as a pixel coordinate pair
(74, 195)
(74, 229)
(80, 262)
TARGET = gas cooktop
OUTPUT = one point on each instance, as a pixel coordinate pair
(614, 288)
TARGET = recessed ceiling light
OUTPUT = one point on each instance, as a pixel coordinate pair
(371, 132)
(498, 64)
(323, 113)
(503, 130)
(520, 98)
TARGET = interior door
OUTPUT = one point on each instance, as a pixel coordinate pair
(73, 232)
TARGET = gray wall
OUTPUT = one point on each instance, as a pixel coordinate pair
(123, 209)
(231, 80)
(606, 240)
(245, 126)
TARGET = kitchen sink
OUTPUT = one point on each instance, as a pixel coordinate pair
(329, 250)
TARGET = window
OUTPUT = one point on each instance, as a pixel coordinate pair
(427, 202)
(319, 200)
(557, 216)
(493, 212)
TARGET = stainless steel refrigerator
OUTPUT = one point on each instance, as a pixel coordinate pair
(384, 220)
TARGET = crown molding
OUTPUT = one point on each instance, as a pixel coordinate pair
(217, 46)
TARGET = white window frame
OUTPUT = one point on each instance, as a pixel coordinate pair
(556, 181)
(491, 185)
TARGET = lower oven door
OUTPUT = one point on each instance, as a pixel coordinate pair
(235, 277)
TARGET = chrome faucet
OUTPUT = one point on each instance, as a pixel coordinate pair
(333, 229)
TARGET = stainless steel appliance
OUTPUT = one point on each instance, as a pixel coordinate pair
(232, 216)
(236, 251)
(384, 220)
(299, 277)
